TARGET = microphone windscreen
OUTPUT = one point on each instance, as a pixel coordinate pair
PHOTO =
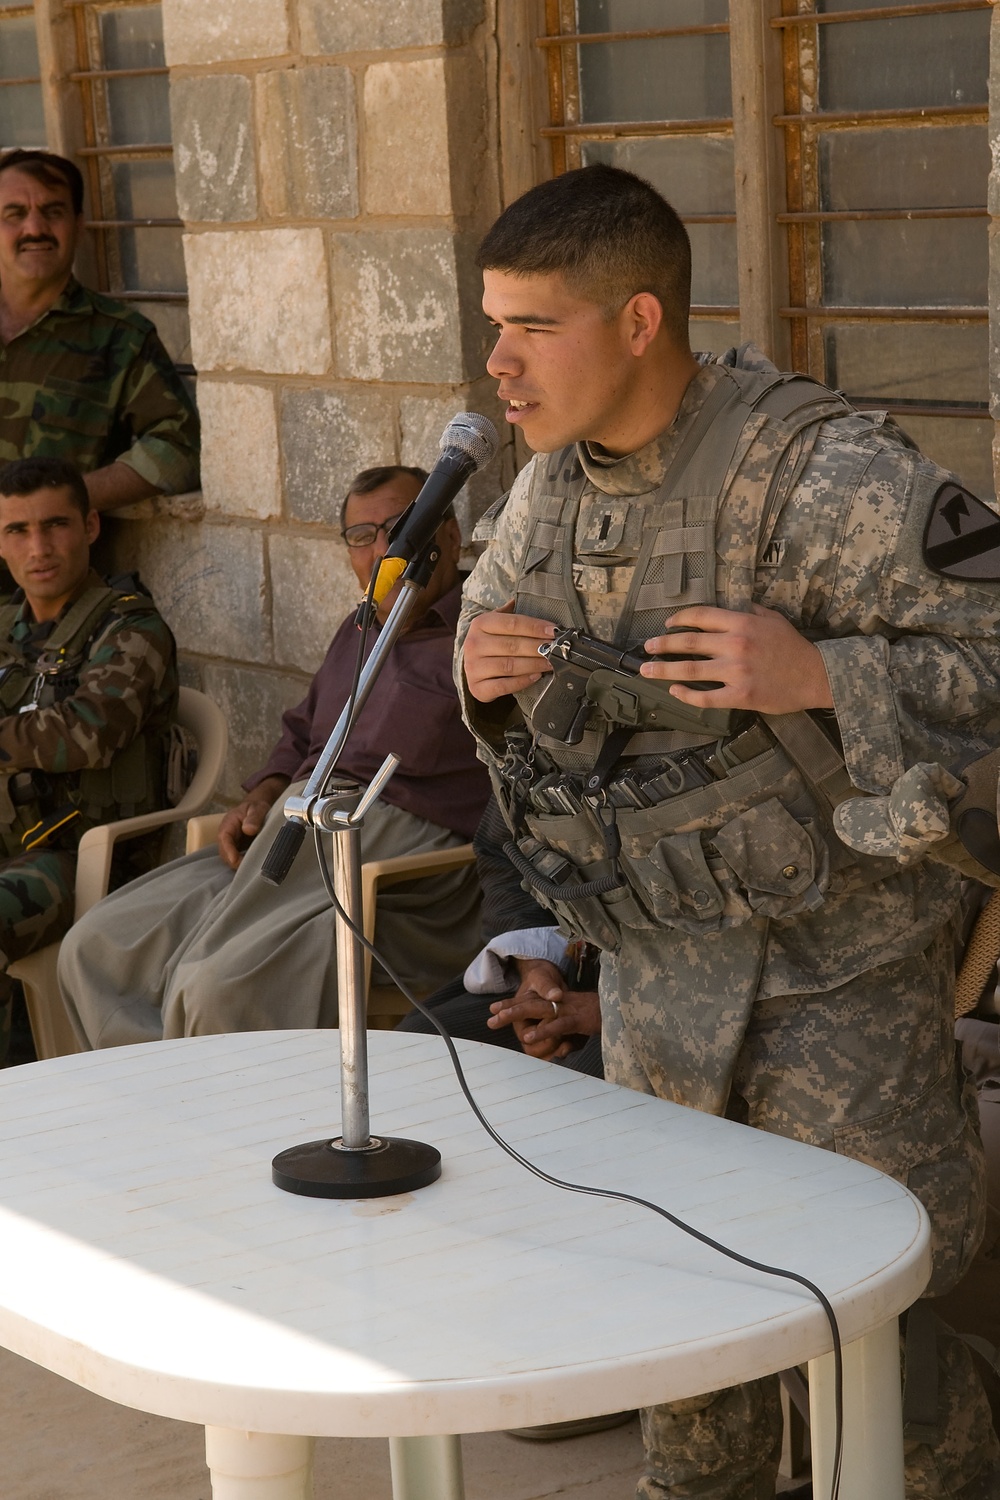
(473, 435)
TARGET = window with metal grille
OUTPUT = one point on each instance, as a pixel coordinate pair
(22, 118)
(127, 158)
(881, 111)
(645, 86)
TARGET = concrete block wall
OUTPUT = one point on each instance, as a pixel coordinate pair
(334, 171)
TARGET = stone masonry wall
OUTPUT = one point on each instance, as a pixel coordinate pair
(334, 173)
(994, 210)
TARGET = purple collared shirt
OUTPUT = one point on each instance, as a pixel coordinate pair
(413, 710)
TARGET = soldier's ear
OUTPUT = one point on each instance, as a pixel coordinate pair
(962, 536)
(92, 525)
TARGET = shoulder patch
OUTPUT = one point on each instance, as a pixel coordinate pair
(487, 524)
(962, 536)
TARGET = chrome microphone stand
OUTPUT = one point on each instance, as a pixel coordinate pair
(354, 1164)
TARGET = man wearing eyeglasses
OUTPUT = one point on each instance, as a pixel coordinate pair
(203, 945)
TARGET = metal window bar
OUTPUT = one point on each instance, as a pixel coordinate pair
(962, 114)
(611, 129)
(838, 215)
(877, 13)
(584, 38)
(825, 313)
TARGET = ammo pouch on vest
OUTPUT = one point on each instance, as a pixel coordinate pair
(48, 810)
(755, 843)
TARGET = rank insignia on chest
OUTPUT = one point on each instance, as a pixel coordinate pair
(602, 525)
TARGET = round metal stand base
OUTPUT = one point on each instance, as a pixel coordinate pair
(326, 1169)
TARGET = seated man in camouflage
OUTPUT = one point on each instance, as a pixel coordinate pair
(84, 377)
(88, 692)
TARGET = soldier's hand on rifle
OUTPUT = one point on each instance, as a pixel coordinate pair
(544, 1013)
(501, 653)
(763, 662)
(242, 824)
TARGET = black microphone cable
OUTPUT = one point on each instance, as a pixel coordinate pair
(612, 1193)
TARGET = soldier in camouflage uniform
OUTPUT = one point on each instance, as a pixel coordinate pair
(82, 376)
(753, 966)
(88, 694)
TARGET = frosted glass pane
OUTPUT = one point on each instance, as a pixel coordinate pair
(173, 325)
(133, 38)
(144, 190)
(138, 111)
(648, 15)
(666, 78)
(18, 48)
(138, 108)
(714, 278)
(661, 78)
(706, 333)
(915, 361)
(152, 260)
(912, 61)
(693, 172)
(22, 119)
(925, 167)
(905, 263)
(961, 444)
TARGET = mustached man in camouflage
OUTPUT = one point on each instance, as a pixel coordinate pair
(752, 965)
(88, 692)
(82, 376)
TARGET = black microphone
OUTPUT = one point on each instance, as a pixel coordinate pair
(469, 442)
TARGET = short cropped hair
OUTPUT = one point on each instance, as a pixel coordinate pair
(26, 476)
(374, 479)
(608, 232)
(45, 166)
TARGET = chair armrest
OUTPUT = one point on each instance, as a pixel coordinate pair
(378, 872)
(202, 832)
(93, 860)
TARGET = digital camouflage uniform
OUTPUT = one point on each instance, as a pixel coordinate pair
(91, 382)
(828, 1019)
(97, 753)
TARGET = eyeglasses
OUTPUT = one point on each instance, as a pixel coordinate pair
(365, 533)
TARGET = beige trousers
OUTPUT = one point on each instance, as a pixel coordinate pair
(193, 949)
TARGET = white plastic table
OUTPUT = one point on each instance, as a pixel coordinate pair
(146, 1255)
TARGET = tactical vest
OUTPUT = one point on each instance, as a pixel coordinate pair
(758, 842)
(45, 809)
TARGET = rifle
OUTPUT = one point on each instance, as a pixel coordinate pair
(588, 672)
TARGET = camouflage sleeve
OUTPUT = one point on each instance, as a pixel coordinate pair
(156, 406)
(914, 662)
(491, 582)
(129, 667)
